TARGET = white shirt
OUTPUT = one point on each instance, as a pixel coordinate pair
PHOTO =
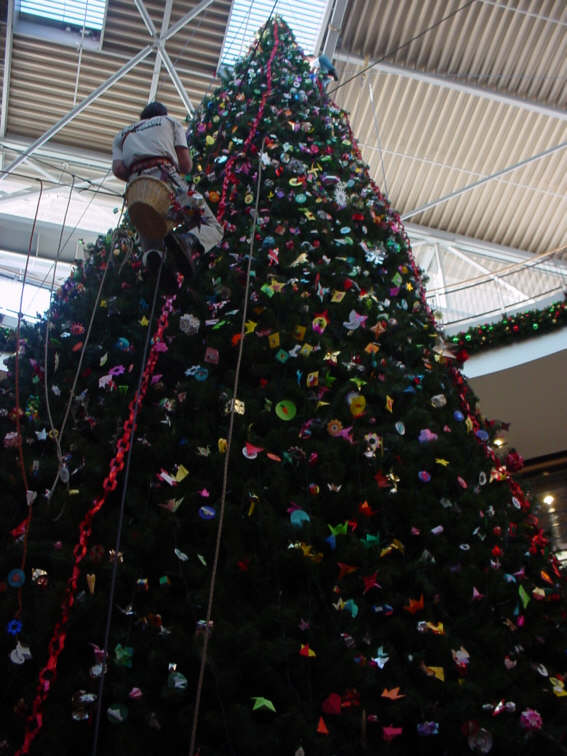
(152, 137)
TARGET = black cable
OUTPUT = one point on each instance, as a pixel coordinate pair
(401, 47)
(121, 516)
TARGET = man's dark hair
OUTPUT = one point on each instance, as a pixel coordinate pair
(153, 109)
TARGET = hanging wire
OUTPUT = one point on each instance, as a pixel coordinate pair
(81, 47)
(226, 463)
(390, 53)
(62, 470)
(378, 140)
(79, 178)
(61, 185)
(29, 500)
(59, 434)
(76, 226)
(122, 509)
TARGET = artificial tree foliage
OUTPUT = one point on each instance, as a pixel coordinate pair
(381, 587)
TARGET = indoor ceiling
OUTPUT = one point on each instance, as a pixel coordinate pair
(464, 92)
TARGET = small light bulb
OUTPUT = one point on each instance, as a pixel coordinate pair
(548, 499)
(499, 442)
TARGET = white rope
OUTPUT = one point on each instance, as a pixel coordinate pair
(226, 462)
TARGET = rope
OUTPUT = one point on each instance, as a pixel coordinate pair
(48, 673)
(96, 191)
(229, 177)
(232, 414)
(59, 434)
(390, 53)
(168, 305)
(54, 432)
(27, 522)
(226, 463)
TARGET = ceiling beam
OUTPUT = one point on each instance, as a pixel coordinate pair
(61, 153)
(175, 78)
(7, 67)
(335, 27)
(157, 63)
(454, 84)
(485, 180)
(184, 20)
(524, 12)
(146, 18)
(493, 275)
(46, 136)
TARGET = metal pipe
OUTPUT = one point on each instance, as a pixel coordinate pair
(175, 79)
(157, 63)
(335, 28)
(492, 275)
(46, 136)
(485, 180)
(184, 20)
(457, 86)
(7, 67)
(525, 13)
(146, 18)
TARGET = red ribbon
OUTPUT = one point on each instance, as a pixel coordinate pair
(229, 177)
(48, 674)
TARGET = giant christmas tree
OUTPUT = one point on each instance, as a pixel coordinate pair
(271, 499)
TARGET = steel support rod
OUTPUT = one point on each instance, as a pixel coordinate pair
(175, 78)
(157, 63)
(146, 18)
(485, 180)
(334, 29)
(7, 67)
(491, 274)
(184, 20)
(457, 86)
(45, 137)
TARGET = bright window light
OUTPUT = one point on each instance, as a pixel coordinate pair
(37, 292)
(36, 300)
(304, 17)
(72, 12)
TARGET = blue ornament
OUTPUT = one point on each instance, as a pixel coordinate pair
(16, 578)
(123, 344)
(14, 627)
(299, 517)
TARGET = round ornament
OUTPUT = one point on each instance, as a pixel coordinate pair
(286, 409)
(207, 513)
(16, 578)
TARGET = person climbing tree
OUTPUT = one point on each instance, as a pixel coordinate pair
(156, 146)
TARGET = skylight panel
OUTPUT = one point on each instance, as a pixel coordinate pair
(68, 12)
(304, 17)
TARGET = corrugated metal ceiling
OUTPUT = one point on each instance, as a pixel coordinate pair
(422, 140)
